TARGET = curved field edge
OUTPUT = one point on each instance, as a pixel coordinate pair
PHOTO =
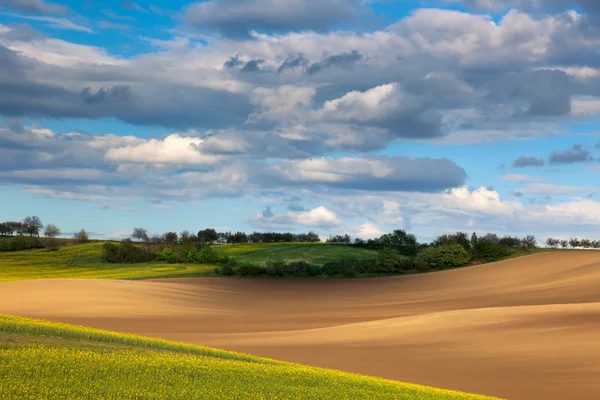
(153, 368)
(84, 261)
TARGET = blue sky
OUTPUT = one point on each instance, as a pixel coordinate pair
(337, 116)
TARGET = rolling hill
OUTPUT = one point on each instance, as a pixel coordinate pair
(39, 359)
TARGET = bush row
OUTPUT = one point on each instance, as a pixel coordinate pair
(21, 242)
(128, 252)
(347, 268)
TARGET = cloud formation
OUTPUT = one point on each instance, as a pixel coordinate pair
(576, 154)
(238, 19)
(34, 6)
(525, 161)
(318, 217)
(259, 98)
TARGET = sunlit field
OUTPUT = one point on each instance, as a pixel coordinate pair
(314, 253)
(40, 359)
(84, 261)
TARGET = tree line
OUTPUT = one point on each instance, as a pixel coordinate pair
(573, 243)
(26, 235)
(397, 252)
(211, 236)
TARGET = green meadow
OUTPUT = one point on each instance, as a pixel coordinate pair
(84, 261)
(313, 253)
(45, 360)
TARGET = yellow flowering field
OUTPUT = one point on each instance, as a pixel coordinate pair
(44, 360)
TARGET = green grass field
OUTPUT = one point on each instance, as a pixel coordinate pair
(83, 261)
(40, 359)
(314, 253)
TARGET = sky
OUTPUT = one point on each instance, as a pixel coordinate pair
(332, 116)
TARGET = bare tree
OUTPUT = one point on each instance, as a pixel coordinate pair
(140, 234)
(51, 232)
(564, 243)
(529, 242)
(81, 237)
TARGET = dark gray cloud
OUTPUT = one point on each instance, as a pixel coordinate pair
(365, 173)
(293, 62)
(233, 62)
(119, 94)
(236, 18)
(252, 144)
(34, 6)
(574, 155)
(161, 104)
(546, 91)
(343, 60)
(252, 66)
(537, 93)
(525, 161)
(293, 204)
(546, 6)
(267, 213)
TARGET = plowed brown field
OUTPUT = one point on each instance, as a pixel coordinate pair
(527, 328)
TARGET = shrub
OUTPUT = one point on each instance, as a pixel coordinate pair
(207, 255)
(275, 268)
(250, 270)
(164, 254)
(313, 270)
(446, 256)
(340, 267)
(408, 264)
(452, 256)
(427, 257)
(110, 252)
(125, 252)
(21, 242)
(349, 273)
(227, 270)
(488, 251)
(388, 260)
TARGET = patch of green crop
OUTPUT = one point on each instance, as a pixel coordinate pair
(84, 261)
(314, 253)
(168, 370)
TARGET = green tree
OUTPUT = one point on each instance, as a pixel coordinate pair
(32, 226)
(452, 256)
(474, 240)
(388, 259)
(405, 243)
(207, 236)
